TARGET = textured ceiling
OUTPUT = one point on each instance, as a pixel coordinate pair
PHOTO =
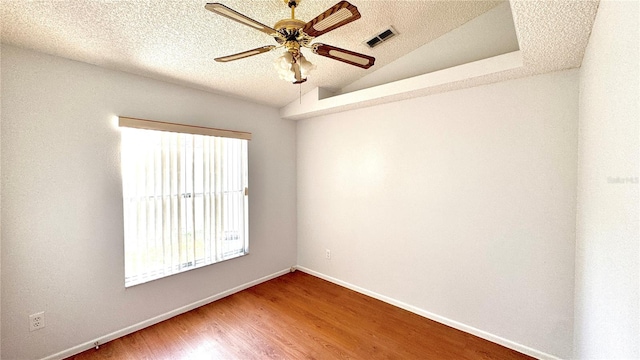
(490, 34)
(552, 34)
(177, 41)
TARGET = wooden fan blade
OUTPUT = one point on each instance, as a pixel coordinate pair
(347, 56)
(246, 54)
(338, 15)
(236, 16)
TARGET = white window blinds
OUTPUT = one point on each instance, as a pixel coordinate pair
(185, 198)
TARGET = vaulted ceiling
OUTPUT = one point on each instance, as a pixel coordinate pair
(176, 41)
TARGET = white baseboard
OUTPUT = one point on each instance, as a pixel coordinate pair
(441, 319)
(141, 325)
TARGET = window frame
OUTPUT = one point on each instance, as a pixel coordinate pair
(215, 242)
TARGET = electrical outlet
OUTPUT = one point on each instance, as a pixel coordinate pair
(36, 321)
(327, 254)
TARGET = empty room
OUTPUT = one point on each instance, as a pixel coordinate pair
(321, 179)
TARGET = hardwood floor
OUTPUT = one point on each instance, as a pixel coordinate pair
(298, 316)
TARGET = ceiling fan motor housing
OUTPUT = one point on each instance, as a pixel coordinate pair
(289, 24)
(290, 31)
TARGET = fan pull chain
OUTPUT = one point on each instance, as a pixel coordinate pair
(300, 93)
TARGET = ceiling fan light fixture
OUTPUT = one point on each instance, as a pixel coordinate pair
(283, 65)
(305, 66)
(286, 65)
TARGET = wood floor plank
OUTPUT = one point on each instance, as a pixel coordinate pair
(299, 316)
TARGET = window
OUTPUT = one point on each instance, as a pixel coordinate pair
(185, 197)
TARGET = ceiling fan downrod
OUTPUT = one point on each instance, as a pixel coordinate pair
(292, 4)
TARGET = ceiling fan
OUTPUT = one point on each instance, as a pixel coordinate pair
(294, 34)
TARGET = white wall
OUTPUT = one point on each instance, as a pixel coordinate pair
(461, 204)
(62, 232)
(607, 322)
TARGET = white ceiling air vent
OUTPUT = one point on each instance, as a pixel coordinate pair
(381, 37)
